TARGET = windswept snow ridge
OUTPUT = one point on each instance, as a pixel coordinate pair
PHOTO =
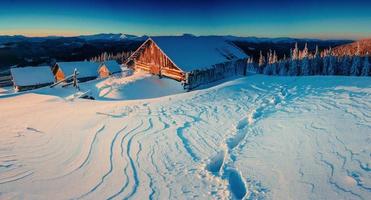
(257, 137)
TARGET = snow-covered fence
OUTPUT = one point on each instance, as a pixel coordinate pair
(216, 72)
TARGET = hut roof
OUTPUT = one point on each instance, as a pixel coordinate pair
(29, 76)
(85, 68)
(112, 66)
(191, 52)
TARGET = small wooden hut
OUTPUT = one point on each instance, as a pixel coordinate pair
(86, 70)
(27, 78)
(189, 59)
(108, 68)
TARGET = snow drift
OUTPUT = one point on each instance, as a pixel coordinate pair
(257, 137)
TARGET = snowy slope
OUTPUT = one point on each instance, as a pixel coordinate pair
(140, 85)
(256, 137)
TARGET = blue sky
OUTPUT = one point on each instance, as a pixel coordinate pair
(320, 19)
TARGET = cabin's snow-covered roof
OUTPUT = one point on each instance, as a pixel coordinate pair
(85, 68)
(112, 66)
(29, 76)
(191, 52)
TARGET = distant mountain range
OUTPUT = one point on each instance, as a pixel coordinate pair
(101, 36)
(112, 36)
(122, 36)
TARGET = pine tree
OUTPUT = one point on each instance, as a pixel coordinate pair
(316, 63)
(325, 62)
(356, 62)
(325, 65)
(266, 70)
(305, 71)
(305, 51)
(345, 65)
(105, 56)
(293, 68)
(354, 70)
(331, 63)
(261, 62)
(250, 65)
(282, 68)
(268, 67)
(366, 66)
(295, 52)
(274, 64)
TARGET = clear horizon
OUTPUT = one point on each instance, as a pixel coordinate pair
(293, 37)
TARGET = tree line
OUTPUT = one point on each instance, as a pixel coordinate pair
(120, 57)
(305, 63)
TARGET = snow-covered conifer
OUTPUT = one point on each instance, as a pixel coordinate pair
(282, 67)
(305, 68)
(305, 51)
(331, 63)
(316, 63)
(295, 52)
(250, 64)
(268, 67)
(366, 66)
(356, 63)
(293, 66)
(345, 65)
(326, 62)
(261, 62)
(274, 64)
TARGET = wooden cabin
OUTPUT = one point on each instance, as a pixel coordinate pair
(108, 68)
(189, 59)
(87, 70)
(27, 78)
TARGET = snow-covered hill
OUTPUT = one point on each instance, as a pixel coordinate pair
(256, 137)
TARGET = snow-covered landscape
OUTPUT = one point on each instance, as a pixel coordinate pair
(254, 137)
(186, 99)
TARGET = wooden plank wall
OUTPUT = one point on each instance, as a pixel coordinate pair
(6, 81)
(58, 74)
(30, 87)
(152, 59)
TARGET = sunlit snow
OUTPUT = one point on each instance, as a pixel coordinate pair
(256, 137)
